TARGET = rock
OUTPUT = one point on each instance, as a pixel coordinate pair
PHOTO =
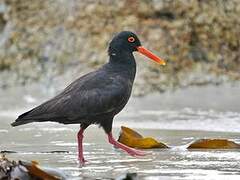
(43, 40)
(128, 176)
(133, 139)
(27, 171)
(214, 144)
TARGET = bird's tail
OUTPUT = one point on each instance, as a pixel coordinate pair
(19, 122)
(22, 119)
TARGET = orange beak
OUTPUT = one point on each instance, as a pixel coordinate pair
(152, 56)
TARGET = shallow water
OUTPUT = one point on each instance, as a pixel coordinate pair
(176, 119)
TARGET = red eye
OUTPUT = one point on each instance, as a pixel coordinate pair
(131, 39)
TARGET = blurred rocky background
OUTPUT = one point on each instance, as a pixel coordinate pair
(52, 42)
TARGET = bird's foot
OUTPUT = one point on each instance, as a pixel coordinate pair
(130, 151)
(82, 161)
(134, 152)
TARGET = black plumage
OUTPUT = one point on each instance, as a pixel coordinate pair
(93, 98)
(96, 97)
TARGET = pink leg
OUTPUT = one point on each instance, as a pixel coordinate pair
(80, 146)
(130, 151)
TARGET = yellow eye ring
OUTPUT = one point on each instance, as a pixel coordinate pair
(131, 39)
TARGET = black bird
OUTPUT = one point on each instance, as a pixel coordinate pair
(98, 96)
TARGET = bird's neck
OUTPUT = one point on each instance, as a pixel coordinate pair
(123, 62)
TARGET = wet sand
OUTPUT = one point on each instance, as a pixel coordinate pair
(165, 117)
(35, 142)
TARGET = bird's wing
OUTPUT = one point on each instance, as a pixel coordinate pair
(91, 95)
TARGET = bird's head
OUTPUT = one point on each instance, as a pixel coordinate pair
(128, 42)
